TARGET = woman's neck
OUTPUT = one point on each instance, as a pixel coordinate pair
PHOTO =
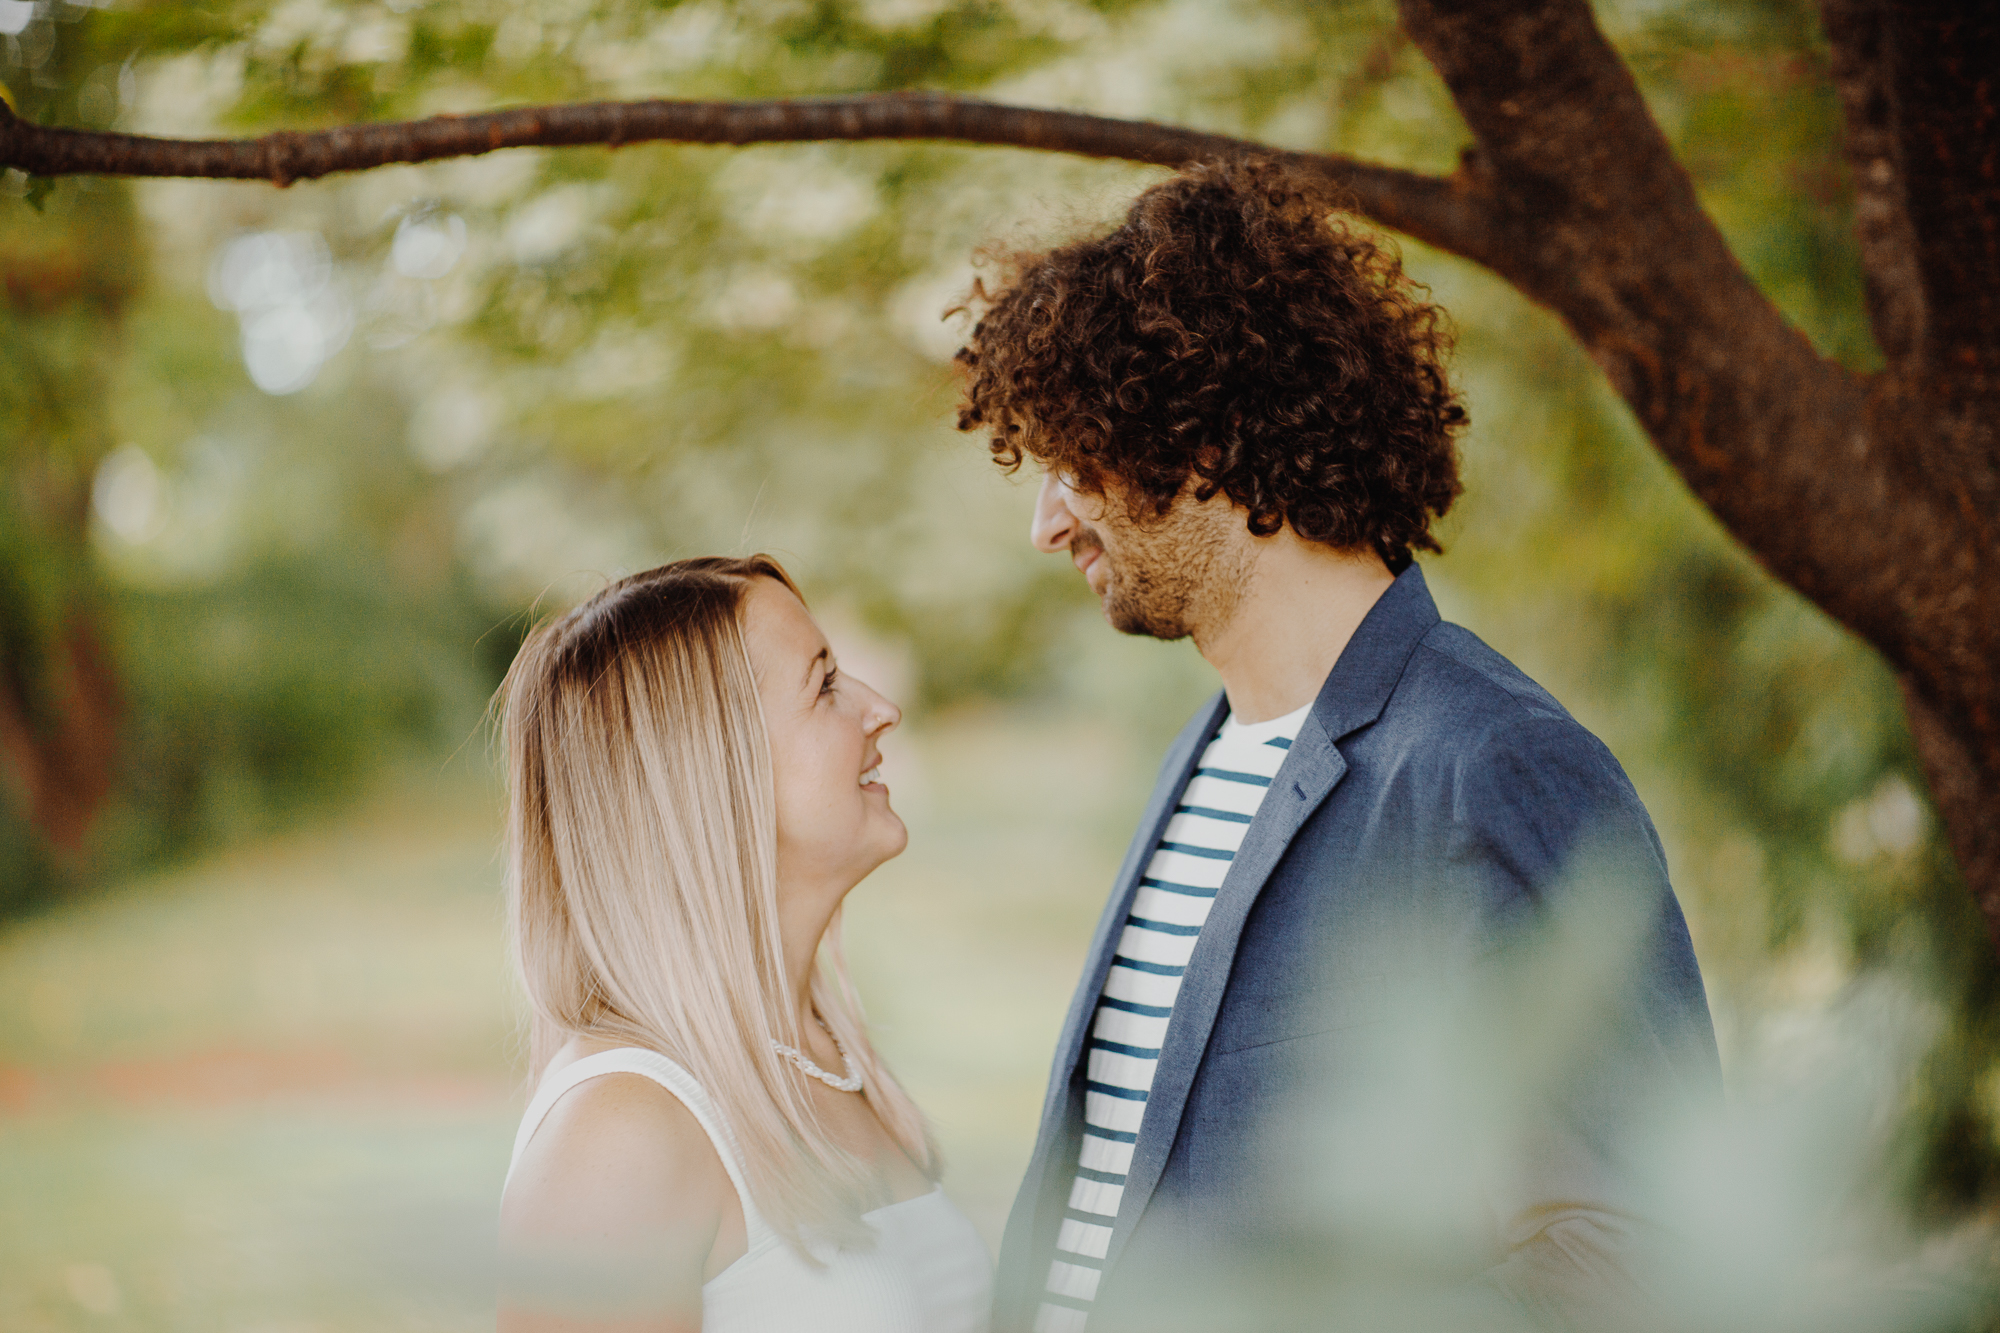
(800, 932)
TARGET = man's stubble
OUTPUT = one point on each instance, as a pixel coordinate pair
(1181, 574)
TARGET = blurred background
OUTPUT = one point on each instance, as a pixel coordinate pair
(285, 475)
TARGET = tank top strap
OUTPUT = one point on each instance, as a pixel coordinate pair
(669, 1075)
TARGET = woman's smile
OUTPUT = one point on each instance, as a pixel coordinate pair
(823, 725)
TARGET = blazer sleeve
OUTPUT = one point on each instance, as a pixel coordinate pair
(1585, 969)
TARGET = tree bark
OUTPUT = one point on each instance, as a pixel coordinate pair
(1919, 83)
(1876, 496)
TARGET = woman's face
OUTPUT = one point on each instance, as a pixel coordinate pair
(834, 820)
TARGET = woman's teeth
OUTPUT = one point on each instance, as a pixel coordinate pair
(872, 775)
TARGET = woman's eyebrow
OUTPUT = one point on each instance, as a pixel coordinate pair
(823, 655)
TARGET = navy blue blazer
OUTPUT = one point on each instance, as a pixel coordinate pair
(1436, 809)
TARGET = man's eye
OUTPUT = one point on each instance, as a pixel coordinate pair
(826, 682)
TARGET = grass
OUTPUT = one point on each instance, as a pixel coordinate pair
(274, 1092)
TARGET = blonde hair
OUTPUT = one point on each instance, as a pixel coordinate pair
(642, 876)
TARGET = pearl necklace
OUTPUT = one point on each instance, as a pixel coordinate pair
(852, 1083)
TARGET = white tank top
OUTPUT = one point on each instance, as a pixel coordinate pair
(928, 1273)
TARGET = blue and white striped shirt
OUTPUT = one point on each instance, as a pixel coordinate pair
(1166, 917)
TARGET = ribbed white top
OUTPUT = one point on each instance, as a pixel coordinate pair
(928, 1273)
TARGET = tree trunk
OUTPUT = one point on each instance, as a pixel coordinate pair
(64, 280)
(60, 754)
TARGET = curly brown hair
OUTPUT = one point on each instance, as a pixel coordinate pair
(1237, 330)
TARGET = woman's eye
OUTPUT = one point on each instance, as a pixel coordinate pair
(826, 682)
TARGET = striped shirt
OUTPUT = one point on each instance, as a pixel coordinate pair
(1187, 867)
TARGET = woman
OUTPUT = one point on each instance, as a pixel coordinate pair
(713, 1144)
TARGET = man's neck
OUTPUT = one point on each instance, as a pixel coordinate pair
(1302, 604)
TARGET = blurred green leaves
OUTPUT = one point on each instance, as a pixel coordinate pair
(286, 684)
(564, 365)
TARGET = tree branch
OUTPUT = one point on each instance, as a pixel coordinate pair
(1596, 219)
(285, 157)
(1868, 495)
(1425, 206)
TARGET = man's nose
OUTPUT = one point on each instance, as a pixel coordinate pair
(1054, 524)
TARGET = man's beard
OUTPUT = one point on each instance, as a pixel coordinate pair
(1174, 578)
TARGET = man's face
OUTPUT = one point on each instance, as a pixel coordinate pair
(1173, 576)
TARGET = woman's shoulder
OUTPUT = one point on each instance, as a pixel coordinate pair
(617, 1153)
(618, 1197)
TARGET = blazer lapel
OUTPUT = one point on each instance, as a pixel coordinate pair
(1309, 772)
(1353, 696)
(1058, 1109)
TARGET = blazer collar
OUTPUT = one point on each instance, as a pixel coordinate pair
(1372, 663)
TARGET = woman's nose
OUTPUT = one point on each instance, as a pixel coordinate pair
(882, 714)
(1054, 524)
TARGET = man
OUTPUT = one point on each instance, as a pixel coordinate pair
(1243, 413)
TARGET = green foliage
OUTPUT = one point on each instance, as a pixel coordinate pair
(68, 276)
(286, 685)
(658, 351)
(66, 280)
